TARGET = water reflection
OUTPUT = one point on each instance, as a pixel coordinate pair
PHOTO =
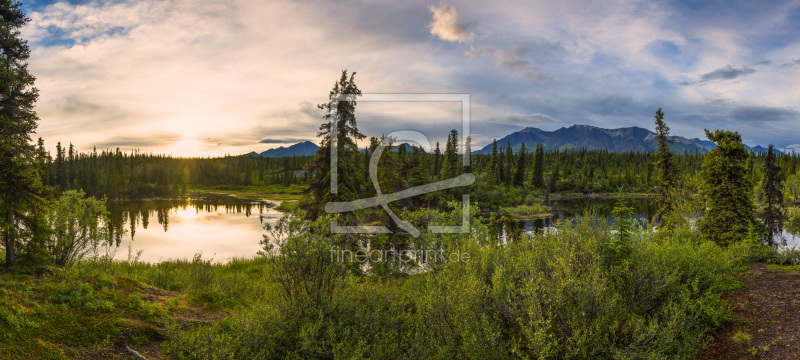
(218, 226)
(571, 208)
(223, 226)
(643, 208)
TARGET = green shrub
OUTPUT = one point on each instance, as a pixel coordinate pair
(548, 295)
(175, 286)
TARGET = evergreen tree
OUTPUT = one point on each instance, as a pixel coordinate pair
(509, 160)
(340, 120)
(494, 166)
(728, 189)
(772, 188)
(420, 169)
(71, 167)
(554, 178)
(468, 152)
(519, 176)
(437, 160)
(501, 166)
(61, 173)
(537, 178)
(20, 182)
(451, 166)
(666, 171)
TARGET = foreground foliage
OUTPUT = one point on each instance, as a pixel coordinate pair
(566, 294)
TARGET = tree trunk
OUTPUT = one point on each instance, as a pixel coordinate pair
(10, 240)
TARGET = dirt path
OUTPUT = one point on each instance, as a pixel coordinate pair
(766, 318)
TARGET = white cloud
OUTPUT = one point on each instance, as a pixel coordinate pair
(224, 74)
(196, 68)
(447, 25)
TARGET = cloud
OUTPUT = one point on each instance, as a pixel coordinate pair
(447, 25)
(226, 74)
(282, 141)
(137, 141)
(763, 114)
(525, 119)
(726, 73)
(513, 60)
(792, 148)
(792, 63)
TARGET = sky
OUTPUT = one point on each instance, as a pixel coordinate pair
(208, 77)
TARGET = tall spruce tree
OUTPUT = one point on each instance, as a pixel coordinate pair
(728, 188)
(509, 161)
(519, 175)
(772, 188)
(667, 173)
(450, 165)
(468, 153)
(437, 161)
(494, 166)
(537, 178)
(340, 122)
(20, 181)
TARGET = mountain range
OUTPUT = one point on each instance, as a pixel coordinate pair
(574, 137)
(305, 148)
(590, 137)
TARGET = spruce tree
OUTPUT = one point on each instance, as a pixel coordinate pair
(772, 188)
(519, 175)
(437, 161)
(727, 186)
(71, 167)
(20, 182)
(554, 178)
(509, 161)
(468, 152)
(340, 119)
(493, 169)
(667, 173)
(537, 178)
(451, 165)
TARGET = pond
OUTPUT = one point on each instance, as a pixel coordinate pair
(643, 210)
(218, 226)
(222, 227)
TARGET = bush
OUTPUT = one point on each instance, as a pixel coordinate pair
(550, 295)
(77, 227)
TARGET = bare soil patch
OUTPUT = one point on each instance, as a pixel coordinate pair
(766, 318)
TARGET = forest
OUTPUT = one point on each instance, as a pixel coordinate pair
(583, 289)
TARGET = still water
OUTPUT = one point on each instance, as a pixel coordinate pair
(643, 210)
(222, 227)
(219, 226)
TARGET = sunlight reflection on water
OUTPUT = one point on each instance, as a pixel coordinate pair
(219, 227)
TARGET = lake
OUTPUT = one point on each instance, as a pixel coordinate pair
(643, 210)
(219, 226)
(223, 227)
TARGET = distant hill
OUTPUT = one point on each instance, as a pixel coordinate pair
(306, 148)
(595, 138)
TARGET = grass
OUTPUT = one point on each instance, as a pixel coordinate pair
(288, 205)
(90, 309)
(784, 267)
(528, 210)
(557, 295)
(543, 296)
(270, 192)
(741, 337)
(56, 314)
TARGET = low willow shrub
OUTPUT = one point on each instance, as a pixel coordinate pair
(554, 295)
(237, 282)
